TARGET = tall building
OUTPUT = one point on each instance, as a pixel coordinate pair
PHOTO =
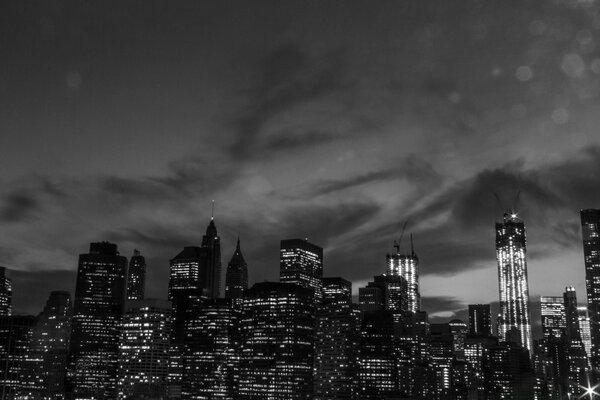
(211, 356)
(301, 262)
(184, 286)
(553, 316)
(480, 320)
(210, 271)
(406, 265)
(584, 326)
(99, 296)
(590, 230)
(144, 349)
(512, 278)
(386, 292)
(236, 278)
(195, 272)
(577, 374)
(508, 373)
(136, 277)
(46, 361)
(379, 372)
(5, 293)
(336, 342)
(15, 337)
(277, 330)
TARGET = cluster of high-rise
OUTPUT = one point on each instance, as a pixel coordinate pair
(301, 337)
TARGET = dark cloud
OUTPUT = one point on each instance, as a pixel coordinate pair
(17, 206)
(289, 141)
(290, 77)
(411, 168)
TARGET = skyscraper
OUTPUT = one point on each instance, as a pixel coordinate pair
(553, 316)
(236, 279)
(99, 297)
(5, 293)
(406, 265)
(47, 354)
(278, 323)
(195, 273)
(212, 351)
(336, 342)
(480, 320)
(15, 337)
(136, 277)
(210, 271)
(389, 292)
(590, 230)
(301, 262)
(379, 372)
(512, 278)
(144, 349)
(584, 326)
(184, 285)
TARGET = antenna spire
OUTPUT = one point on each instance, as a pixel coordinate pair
(412, 246)
(212, 214)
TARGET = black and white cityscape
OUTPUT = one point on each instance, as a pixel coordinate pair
(300, 199)
(303, 336)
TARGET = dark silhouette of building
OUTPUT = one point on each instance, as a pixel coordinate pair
(211, 356)
(5, 293)
(590, 229)
(386, 292)
(508, 372)
(336, 343)
(46, 361)
(511, 253)
(301, 263)
(480, 320)
(210, 271)
(278, 323)
(136, 277)
(144, 349)
(577, 363)
(236, 278)
(15, 337)
(194, 272)
(379, 372)
(406, 265)
(98, 306)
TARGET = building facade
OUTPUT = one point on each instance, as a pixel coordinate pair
(48, 349)
(5, 293)
(511, 251)
(236, 278)
(301, 263)
(590, 230)
(406, 265)
(144, 349)
(277, 342)
(99, 296)
(136, 277)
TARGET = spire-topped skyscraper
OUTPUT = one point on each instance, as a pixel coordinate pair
(210, 268)
(236, 278)
(406, 265)
(513, 284)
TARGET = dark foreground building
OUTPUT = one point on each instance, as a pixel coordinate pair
(98, 306)
(277, 342)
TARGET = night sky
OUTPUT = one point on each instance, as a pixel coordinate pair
(335, 121)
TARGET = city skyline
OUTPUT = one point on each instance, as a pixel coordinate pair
(336, 128)
(192, 260)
